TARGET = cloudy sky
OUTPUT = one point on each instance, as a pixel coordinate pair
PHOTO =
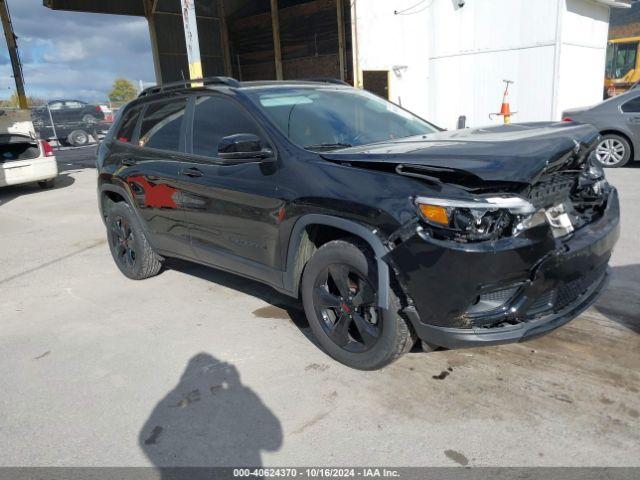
(75, 55)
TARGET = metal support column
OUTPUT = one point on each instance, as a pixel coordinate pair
(13, 53)
(224, 37)
(149, 11)
(191, 38)
(277, 53)
(340, 15)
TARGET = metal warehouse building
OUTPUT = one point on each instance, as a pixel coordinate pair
(439, 58)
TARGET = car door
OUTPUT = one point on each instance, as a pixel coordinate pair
(232, 210)
(151, 157)
(73, 110)
(631, 113)
(56, 108)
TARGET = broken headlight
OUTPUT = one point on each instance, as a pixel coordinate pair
(487, 218)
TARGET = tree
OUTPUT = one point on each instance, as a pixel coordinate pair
(12, 101)
(122, 91)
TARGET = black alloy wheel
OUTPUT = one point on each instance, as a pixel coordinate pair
(128, 244)
(341, 301)
(345, 302)
(123, 242)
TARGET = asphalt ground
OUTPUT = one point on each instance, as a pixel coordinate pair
(200, 367)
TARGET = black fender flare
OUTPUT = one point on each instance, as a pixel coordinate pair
(367, 234)
(124, 193)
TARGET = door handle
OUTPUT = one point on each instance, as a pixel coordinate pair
(129, 162)
(192, 172)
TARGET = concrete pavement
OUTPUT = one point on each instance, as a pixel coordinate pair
(199, 367)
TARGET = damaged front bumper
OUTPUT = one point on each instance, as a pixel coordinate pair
(504, 291)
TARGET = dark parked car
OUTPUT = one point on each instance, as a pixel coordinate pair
(387, 228)
(68, 111)
(618, 121)
(75, 121)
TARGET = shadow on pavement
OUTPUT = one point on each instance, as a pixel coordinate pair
(10, 193)
(284, 306)
(621, 300)
(209, 419)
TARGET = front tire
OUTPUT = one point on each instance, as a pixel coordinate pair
(613, 151)
(129, 247)
(340, 295)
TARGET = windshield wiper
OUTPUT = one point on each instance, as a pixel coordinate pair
(328, 146)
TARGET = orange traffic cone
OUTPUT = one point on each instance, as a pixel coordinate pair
(505, 109)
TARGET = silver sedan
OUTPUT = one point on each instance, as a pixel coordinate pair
(618, 120)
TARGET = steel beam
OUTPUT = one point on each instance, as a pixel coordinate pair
(277, 52)
(149, 12)
(13, 53)
(340, 15)
(191, 38)
(224, 37)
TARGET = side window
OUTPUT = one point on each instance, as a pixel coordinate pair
(632, 106)
(55, 106)
(73, 104)
(128, 125)
(161, 125)
(215, 118)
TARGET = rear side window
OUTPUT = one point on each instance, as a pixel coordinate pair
(215, 118)
(128, 125)
(162, 124)
(632, 106)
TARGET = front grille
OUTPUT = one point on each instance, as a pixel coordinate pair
(552, 189)
(488, 302)
(543, 303)
(569, 292)
(563, 296)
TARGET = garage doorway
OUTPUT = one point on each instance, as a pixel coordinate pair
(376, 81)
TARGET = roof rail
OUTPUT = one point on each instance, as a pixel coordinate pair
(336, 81)
(167, 87)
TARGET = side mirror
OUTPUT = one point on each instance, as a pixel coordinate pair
(462, 122)
(243, 146)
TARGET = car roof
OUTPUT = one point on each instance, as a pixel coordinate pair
(227, 84)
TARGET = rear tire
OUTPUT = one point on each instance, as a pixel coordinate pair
(45, 184)
(129, 247)
(339, 294)
(613, 151)
(78, 138)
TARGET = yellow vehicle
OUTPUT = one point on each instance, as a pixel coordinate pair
(622, 67)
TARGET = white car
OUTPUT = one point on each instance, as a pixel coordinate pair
(23, 158)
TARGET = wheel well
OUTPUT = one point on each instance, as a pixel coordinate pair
(109, 199)
(313, 237)
(623, 135)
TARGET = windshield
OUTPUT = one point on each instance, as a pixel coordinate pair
(330, 118)
(621, 59)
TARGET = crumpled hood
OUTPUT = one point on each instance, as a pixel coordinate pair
(505, 153)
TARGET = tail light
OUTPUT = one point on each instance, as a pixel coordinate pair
(567, 119)
(98, 109)
(46, 148)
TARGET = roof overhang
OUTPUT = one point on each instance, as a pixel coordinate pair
(114, 7)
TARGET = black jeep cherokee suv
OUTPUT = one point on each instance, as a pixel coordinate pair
(385, 226)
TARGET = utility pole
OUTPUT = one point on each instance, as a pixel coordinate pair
(191, 38)
(13, 53)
